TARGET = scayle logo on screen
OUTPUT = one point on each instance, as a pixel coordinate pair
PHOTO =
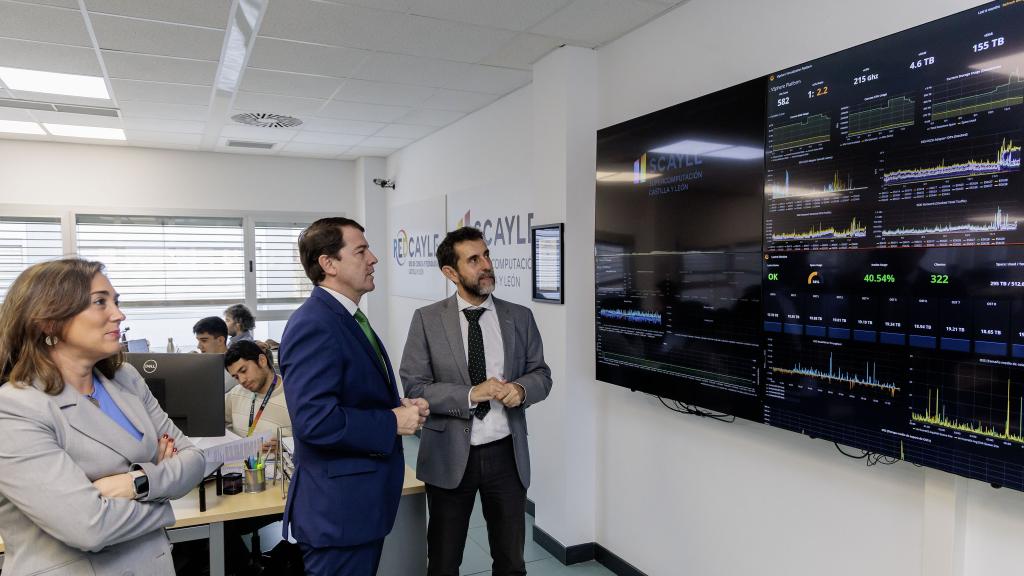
(640, 169)
(659, 164)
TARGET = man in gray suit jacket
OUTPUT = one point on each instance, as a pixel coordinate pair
(479, 362)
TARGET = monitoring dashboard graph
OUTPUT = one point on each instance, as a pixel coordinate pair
(893, 305)
(883, 307)
(924, 125)
(682, 317)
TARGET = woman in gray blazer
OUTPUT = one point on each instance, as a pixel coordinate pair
(88, 459)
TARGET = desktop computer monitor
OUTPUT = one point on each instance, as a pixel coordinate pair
(189, 387)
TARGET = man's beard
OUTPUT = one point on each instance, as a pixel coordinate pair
(475, 288)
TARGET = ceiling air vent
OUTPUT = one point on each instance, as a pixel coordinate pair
(266, 120)
(247, 144)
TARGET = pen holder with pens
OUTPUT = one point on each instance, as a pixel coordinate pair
(255, 479)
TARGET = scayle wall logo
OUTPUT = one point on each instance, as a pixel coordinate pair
(508, 237)
(507, 230)
(417, 252)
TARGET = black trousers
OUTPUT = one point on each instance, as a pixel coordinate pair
(492, 472)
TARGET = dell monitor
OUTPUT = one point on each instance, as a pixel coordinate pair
(189, 387)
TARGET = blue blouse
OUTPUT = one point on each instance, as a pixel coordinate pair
(110, 408)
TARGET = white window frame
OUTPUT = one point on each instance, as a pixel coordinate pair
(69, 218)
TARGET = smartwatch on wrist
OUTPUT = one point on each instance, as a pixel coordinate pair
(141, 483)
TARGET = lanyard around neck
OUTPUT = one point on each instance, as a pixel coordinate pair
(254, 417)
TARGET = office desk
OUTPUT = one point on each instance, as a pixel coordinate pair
(405, 549)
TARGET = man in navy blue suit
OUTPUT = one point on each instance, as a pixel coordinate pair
(347, 417)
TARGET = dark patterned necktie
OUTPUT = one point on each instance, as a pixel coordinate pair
(477, 360)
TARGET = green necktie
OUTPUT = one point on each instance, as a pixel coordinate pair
(368, 332)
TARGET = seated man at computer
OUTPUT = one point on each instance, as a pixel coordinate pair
(240, 323)
(211, 337)
(257, 405)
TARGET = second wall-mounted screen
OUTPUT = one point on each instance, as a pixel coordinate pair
(678, 248)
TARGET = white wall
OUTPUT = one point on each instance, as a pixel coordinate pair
(680, 495)
(82, 175)
(487, 147)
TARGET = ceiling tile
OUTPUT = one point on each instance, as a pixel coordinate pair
(365, 112)
(403, 69)
(518, 15)
(15, 114)
(165, 145)
(346, 140)
(392, 5)
(382, 142)
(37, 137)
(436, 118)
(135, 136)
(342, 126)
(159, 68)
(458, 101)
(49, 57)
(257, 134)
(286, 84)
(313, 150)
(327, 23)
(72, 4)
(126, 90)
(523, 51)
(382, 93)
(162, 125)
(288, 56)
(596, 22)
(491, 80)
(157, 110)
(446, 40)
(128, 35)
(94, 141)
(211, 13)
(301, 107)
(368, 29)
(43, 24)
(405, 131)
(358, 151)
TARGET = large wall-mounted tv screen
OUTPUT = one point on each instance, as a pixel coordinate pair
(678, 248)
(888, 272)
(894, 275)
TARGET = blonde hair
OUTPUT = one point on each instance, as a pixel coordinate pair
(40, 303)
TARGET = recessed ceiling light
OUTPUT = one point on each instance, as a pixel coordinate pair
(18, 127)
(85, 131)
(54, 83)
(238, 43)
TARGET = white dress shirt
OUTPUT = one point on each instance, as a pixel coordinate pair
(348, 304)
(494, 426)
